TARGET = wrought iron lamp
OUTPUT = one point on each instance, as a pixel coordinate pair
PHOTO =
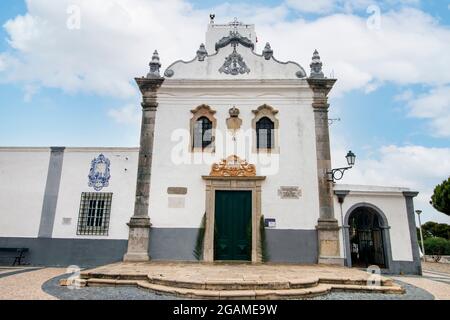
(337, 174)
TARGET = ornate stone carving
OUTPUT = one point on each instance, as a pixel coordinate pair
(265, 110)
(203, 110)
(202, 53)
(316, 66)
(99, 173)
(234, 38)
(267, 52)
(234, 122)
(233, 166)
(234, 64)
(169, 73)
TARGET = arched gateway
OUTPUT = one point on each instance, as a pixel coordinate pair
(367, 235)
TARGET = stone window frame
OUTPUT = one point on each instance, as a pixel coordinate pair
(270, 113)
(197, 113)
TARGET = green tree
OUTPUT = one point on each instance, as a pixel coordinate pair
(433, 229)
(440, 199)
(437, 246)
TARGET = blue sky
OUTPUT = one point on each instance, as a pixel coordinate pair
(59, 87)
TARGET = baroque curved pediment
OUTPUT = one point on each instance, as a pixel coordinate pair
(235, 58)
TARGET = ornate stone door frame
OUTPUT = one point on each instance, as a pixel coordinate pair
(214, 184)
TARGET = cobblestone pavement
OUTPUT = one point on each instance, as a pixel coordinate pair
(412, 293)
(53, 288)
(440, 290)
(436, 267)
(25, 284)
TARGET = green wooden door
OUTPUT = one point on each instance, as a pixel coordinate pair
(233, 225)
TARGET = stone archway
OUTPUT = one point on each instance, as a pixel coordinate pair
(367, 240)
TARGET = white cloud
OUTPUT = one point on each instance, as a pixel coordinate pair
(404, 96)
(317, 6)
(128, 114)
(2, 62)
(434, 106)
(415, 167)
(327, 6)
(116, 39)
(30, 90)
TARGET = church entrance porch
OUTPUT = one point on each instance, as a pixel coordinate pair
(233, 225)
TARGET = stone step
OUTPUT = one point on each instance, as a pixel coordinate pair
(267, 293)
(234, 284)
(216, 284)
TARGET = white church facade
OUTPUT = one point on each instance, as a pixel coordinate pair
(234, 164)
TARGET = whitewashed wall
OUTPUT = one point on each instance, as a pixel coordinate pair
(297, 158)
(23, 175)
(74, 181)
(392, 203)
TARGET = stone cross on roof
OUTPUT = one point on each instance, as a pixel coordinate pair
(235, 23)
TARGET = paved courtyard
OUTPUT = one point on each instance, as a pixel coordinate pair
(43, 284)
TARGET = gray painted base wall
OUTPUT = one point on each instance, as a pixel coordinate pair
(65, 252)
(172, 243)
(405, 267)
(295, 246)
(292, 246)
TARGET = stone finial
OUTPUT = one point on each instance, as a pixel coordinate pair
(267, 52)
(316, 66)
(155, 65)
(201, 53)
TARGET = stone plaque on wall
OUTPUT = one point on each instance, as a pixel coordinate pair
(290, 192)
(176, 202)
(177, 190)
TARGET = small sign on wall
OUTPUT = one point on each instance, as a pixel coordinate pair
(290, 192)
(270, 223)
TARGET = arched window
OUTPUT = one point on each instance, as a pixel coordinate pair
(202, 125)
(265, 127)
(264, 133)
(202, 133)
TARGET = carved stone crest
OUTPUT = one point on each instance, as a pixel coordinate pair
(234, 64)
(233, 166)
(234, 122)
(99, 173)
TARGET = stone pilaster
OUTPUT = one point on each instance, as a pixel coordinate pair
(139, 224)
(409, 197)
(327, 226)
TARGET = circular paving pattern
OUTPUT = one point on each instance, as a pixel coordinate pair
(53, 288)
